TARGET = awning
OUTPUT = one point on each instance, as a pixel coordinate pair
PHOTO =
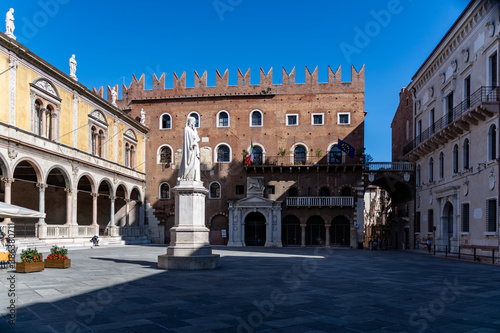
(7, 210)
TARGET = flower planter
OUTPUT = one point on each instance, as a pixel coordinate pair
(57, 263)
(28, 267)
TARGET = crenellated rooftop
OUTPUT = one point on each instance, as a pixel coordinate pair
(137, 90)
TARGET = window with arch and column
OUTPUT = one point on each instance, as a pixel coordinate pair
(258, 155)
(215, 190)
(45, 107)
(98, 127)
(165, 121)
(299, 155)
(165, 155)
(335, 155)
(130, 140)
(492, 142)
(223, 119)
(223, 154)
(164, 191)
(256, 118)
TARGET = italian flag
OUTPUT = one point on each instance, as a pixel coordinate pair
(249, 158)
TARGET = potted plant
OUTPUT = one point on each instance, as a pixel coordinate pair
(31, 261)
(57, 258)
(282, 153)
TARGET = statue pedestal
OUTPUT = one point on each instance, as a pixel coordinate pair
(190, 247)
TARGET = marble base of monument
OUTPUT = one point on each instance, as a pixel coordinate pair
(190, 249)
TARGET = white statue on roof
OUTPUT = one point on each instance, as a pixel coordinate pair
(72, 67)
(9, 23)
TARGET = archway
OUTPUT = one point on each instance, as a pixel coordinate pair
(290, 231)
(315, 231)
(56, 192)
(217, 225)
(84, 201)
(121, 213)
(25, 194)
(340, 231)
(103, 206)
(255, 229)
(135, 208)
(447, 225)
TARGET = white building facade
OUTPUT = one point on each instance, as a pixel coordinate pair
(455, 146)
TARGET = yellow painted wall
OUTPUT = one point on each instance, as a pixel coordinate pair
(4, 89)
(83, 128)
(24, 77)
(66, 117)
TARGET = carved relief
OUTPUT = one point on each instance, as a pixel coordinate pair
(491, 28)
(255, 185)
(466, 186)
(45, 85)
(465, 55)
(492, 179)
(12, 153)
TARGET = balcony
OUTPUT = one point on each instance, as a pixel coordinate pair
(320, 202)
(483, 103)
(389, 166)
(300, 163)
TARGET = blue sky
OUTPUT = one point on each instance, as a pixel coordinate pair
(114, 39)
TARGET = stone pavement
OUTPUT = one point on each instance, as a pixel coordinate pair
(119, 289)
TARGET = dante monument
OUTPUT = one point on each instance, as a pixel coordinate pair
(190, 247)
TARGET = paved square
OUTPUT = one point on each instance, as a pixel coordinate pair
(119, 289)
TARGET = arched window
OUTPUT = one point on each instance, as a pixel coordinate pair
(94, 140)
(441, 165)
(299, 155)
(492, 143)
(257, 155)
(38, 118)
(324, 192)
(223, 117)
(256, 118)
(164, 191)
(214, 190)
(165, 121)
(345, 191)
(293, 192)
(127, 154)
(165, 155)
(431, 169)
(100, 143)
(455, 159)
(48, 123)
(132, 157)
(465, 152)
(197, 117)
(98, 127)
(223, 154)
(335, 155)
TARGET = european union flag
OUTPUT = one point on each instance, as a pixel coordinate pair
(346, 148)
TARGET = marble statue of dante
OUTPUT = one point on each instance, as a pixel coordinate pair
(9, 22)
(190, 162)
(72, 66)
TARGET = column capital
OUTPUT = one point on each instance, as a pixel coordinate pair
(128, 200)
(7, 180)
(68, 190)
(111, 197)
(94, 195)
(41, 186)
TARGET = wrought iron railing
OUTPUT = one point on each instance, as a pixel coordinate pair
(389, 166)
(320, 201)
(289, 160)
(482, 95)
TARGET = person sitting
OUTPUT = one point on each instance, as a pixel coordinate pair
(95, 240)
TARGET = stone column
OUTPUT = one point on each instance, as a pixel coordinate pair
(112, 211)
(69, 206)
(303, 235)
(41, 225)
(53, 126)
(127, 212)
(94, 208)
(41, 201)
(327, 235)
(43, 120)
(7, 196)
